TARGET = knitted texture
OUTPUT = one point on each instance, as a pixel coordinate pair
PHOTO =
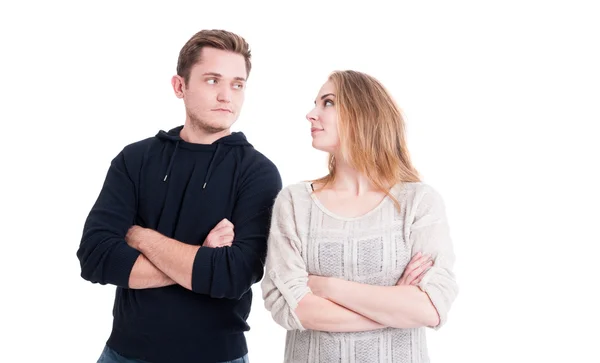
(306, 238)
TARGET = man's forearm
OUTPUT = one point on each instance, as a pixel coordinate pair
(145, 275)
(175, 259)
(394, 306)
(316, 313)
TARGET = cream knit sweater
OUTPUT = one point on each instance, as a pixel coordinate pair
(306, 238)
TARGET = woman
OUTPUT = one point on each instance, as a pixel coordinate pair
(360, 261)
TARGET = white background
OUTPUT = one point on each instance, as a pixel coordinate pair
(502, 106)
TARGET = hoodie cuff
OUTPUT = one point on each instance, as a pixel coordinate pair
(121, 263)
(202, 271)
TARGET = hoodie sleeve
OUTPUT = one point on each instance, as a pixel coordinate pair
(103, 254)
(231, 271)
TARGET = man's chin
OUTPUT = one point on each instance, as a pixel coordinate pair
(213, 128)
(218, 128)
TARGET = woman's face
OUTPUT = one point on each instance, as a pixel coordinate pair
(323, 120)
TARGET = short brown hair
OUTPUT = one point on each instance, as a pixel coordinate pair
(219, 39)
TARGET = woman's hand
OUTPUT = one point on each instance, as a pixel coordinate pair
(415, 269)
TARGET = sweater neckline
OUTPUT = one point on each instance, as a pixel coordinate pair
(323, 209)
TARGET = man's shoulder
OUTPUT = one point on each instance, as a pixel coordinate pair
(256, 157)
(135, 154)
(256, 163)
(259, 175)
(140, 151)
(140, 147)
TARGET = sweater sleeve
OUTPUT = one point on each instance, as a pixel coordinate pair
(230, 272)
(429, 234)
(103, 254)
(286, 277)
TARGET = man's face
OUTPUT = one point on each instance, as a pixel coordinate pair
(214, 93)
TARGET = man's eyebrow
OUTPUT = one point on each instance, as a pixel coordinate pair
(219, 75)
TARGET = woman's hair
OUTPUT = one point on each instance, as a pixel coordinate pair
(372, 132)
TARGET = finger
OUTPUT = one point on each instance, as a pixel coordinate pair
(226, 238)
(226, 230)
(222, 234)
(422, 261)
(213, 238)
(416, 256)
(418, 259)
(131, 230)
(225, 222)
(418, 279)
(420, 270)
(414, 264)
(417, 271)
(410, 277)
(218, 239)
(218, 235)
(217, 243)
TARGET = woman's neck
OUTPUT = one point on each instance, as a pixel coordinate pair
(349, 180)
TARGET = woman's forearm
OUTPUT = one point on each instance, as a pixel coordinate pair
(403, 306)
(316, 313)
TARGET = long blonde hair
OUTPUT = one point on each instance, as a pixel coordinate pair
(372, 132)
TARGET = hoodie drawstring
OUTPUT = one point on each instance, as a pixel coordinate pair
(171, 162)
(210, 166)
(236, 139)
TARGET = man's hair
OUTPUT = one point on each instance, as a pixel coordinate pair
(219, 39)
(372, 132)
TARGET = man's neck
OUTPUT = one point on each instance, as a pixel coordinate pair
(199, 136)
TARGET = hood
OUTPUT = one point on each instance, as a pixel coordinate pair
(235, 138)
(220, 147)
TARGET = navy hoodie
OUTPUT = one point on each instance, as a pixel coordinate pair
(182, 190)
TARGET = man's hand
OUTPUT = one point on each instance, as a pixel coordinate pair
(415, 270)
(136, 235)
(220, 236)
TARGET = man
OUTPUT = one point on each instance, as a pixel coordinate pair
(181, 223)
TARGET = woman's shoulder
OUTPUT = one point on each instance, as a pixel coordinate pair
(302, 188)
(295, 193)
(414, 190)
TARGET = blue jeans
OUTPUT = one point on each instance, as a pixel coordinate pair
(110, 356)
